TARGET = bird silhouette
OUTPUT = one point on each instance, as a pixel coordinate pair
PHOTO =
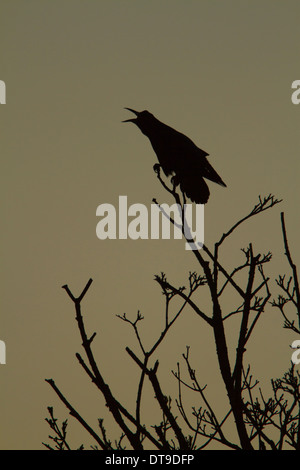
(178, 156)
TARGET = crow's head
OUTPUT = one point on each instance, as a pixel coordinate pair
(144, 120)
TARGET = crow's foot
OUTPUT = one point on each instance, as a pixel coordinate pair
(157, 168)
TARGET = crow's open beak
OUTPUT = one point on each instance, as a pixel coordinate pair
(133, 111)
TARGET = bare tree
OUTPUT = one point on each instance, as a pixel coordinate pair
(260, 423)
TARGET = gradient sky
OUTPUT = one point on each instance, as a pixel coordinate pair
(218, 71)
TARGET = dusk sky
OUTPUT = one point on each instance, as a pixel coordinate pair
(220, 72)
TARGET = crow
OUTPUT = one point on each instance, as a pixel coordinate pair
(178, 156)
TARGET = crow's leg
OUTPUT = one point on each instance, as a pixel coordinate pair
(174, 181)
